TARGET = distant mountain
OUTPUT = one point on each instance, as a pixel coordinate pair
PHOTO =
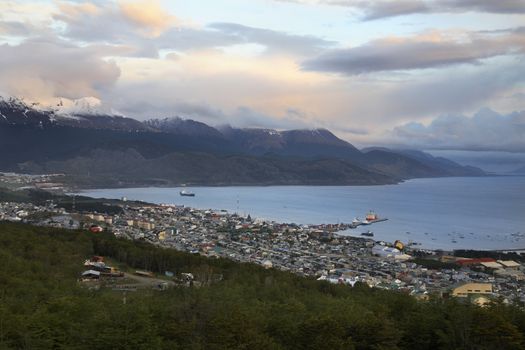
(518, 171)
(438, 166)
(316, 143)
(403, 167)
(110, 150)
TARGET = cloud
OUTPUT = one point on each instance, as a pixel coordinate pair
(379, 105)
(147, 28)
(45, 68)
(92, 22)
(241, 116)
(355, 131)
(148, 14)
(377, 9)
(14, 28)
(381, 9)
(157, 66)
(486, 130)
(274, 40)
(426, 50)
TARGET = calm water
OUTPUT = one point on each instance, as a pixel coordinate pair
(480, 213)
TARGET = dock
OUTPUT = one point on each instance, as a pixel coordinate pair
(370, 222)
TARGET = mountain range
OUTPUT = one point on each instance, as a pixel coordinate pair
(99, 149)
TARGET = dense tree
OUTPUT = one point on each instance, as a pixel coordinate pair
(43, 307)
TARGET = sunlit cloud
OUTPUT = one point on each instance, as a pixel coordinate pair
(156, 59)
(149, 15)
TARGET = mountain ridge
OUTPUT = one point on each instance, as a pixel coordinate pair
(176, 150)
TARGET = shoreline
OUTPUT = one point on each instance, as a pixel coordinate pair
(276, 184)
(328, 205)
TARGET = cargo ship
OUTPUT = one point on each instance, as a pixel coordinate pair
(185, 193)
(370, 218)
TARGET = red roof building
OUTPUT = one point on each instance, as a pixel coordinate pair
(477, 261)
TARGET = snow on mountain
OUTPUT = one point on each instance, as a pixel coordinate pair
(85, 113)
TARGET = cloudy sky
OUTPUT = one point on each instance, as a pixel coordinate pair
(446, 74)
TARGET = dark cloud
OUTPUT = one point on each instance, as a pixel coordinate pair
(383, 9)
(418, 52)
(274, 40)
(499, 6)
(354, 131)
(378, 9)
(228, 34)
(484, 131)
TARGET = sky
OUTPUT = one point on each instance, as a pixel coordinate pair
(442, 75)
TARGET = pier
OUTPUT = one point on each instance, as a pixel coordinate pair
(370, 222)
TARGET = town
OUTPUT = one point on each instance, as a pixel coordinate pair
(319, 251)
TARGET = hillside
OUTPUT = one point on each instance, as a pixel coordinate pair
(518, 171)
(109, 150)
(44, 307)
(424, 164)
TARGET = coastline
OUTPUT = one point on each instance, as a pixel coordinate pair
(420, 198)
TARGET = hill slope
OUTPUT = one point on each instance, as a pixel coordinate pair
(43, 307)
(109, 150)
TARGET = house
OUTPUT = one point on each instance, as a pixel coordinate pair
(469, 289)
(491, 265)
(90, 275)
(473, 262)
(509, 264)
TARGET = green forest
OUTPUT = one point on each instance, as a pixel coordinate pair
(44, 307)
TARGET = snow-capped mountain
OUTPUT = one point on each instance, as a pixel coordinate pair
(81, 139)
(16, 111)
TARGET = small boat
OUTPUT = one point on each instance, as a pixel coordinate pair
(187, 193)
(368, 233)
(356, 221)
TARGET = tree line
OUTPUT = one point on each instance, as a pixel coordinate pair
(42, 305)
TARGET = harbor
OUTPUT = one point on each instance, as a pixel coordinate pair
(417, 210)
(319, 251)
(371, 218)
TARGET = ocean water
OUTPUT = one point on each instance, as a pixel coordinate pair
(476, 213)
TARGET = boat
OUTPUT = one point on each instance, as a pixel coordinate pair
(187, 193)
(368, 233)
(371, 216)
(356, 221)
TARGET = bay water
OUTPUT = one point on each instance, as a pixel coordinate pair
(439, 213)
